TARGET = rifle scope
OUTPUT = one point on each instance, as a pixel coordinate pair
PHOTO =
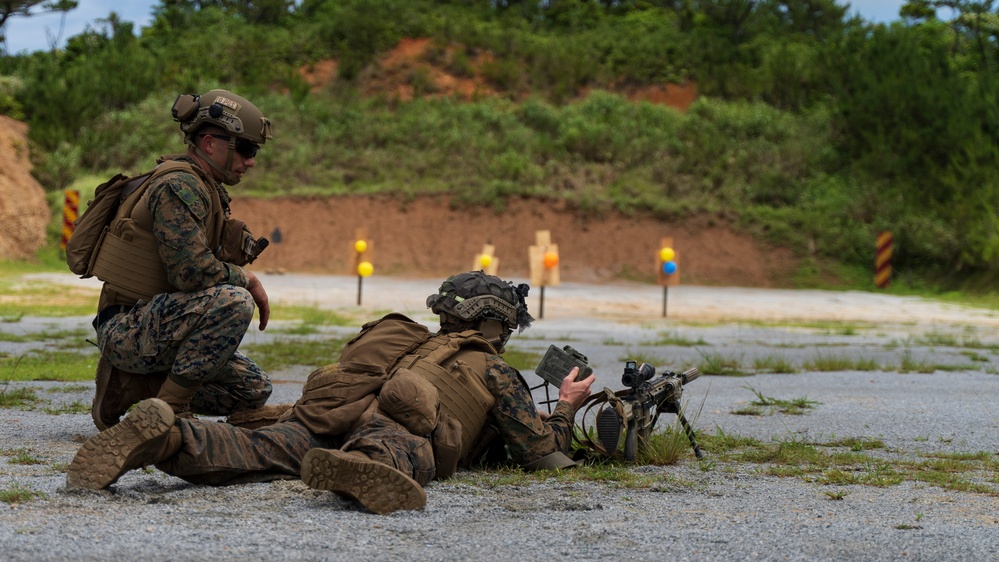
(634, 374)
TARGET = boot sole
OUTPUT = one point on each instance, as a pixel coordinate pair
(379, 487)
(106, 456)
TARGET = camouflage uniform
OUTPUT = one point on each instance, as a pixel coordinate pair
(216, 453)
(193, 334)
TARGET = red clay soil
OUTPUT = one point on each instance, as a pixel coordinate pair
(426, 237)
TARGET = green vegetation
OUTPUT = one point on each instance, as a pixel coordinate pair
(839, 362)
(666, 447)
(309, 317)
(834, 463)
(674, 338)
(22, 456)
(720, 364)
(16, 494)
(287, 351)
(75, 407)
(812, 130)
(794, 407)
(521, 360)
(811, 461)
(43, 365)
(908, 363)
(38, 297)
(311, 320)
(18, 397)
(773, 363)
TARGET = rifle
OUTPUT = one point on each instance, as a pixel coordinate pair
(635, 410)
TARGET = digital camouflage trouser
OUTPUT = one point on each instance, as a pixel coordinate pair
(193, 337)
(217, 453)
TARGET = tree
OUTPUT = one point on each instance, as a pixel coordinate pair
(23, 8)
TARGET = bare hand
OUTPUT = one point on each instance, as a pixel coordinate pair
(259, 295)
(573, 391)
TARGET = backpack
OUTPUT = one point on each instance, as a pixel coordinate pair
(384, 347)
(91, 227)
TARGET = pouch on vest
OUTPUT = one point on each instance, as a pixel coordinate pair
(446, 441)
(238, 246)
(410, 400)
(463, 395)
(92, 225)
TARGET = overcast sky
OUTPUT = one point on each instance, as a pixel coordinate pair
(36, 33)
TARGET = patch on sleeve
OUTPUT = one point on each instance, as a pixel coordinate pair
(187, 196)
(190, 198)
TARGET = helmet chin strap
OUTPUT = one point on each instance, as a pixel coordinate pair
(228, 177)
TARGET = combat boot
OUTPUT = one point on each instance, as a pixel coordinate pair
(258, 417)
(146, 436)
(378, 486)
(117, 391)
(178, 397)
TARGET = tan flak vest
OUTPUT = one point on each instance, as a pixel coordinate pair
(455, 364)
(336, 395)
(127, 258)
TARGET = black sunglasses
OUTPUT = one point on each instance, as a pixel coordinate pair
(245, 148)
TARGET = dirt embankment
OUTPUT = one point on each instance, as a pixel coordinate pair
(24, 212)
(427, 237)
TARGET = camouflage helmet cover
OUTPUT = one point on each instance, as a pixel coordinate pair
(235, 114)
(464, 299)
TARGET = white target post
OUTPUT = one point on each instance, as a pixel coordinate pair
(544, 261)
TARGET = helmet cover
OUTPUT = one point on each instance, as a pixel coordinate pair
(224, 109)
(464, 300)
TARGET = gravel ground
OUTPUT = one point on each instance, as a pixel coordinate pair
(696, 510)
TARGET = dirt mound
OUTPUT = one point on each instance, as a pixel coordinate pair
(429, 237)
(24, 213)
(420, 68)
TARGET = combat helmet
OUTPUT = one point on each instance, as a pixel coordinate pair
(240, 119)
(468, 300)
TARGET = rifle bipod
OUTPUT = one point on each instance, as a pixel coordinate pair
(689, 430)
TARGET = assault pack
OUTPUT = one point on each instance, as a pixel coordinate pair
(92, 226)
(335, 396)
